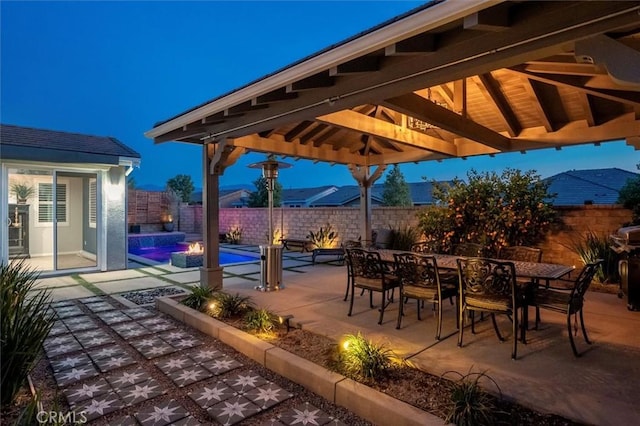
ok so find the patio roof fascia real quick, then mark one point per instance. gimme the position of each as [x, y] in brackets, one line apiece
[420, 21]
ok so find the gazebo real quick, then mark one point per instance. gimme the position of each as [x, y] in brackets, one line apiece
[450, 79]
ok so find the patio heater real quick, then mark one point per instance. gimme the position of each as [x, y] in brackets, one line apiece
[270, 254]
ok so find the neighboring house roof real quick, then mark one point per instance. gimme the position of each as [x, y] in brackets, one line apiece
[421, 194]
[26, 143]
[305, 196]
[346, 195]
[592, 186]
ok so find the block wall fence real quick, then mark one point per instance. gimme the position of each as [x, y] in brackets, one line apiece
[297, 222]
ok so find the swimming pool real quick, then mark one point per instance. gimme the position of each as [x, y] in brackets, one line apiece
[162, 254]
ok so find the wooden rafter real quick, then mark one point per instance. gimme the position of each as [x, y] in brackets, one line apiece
[488, 86]
[425, 110]
[354, 121]
[277, 144]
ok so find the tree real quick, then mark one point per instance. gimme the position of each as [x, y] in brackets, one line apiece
[260, 197]
[181, 185]
[396, 190]
[629, 197]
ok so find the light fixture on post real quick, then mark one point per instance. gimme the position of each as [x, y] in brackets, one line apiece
[270, 254]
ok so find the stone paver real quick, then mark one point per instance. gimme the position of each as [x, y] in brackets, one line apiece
[99, 371]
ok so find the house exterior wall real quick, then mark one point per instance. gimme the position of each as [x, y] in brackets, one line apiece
[114, 205]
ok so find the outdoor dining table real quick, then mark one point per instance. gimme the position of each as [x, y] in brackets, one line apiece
[534, 272]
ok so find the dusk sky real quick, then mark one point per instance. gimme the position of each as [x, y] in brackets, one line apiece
[116, 68]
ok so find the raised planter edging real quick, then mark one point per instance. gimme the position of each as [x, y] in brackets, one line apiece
[376, 407]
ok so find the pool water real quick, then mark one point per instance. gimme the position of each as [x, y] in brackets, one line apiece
[162, 254]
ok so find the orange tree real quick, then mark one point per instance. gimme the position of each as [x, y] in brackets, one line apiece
[513, 208]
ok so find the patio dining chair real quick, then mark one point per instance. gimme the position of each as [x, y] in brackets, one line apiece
[420, 280]
[569, 301]
[369, 273]
[487, 285]
[425, 247]
[349, 244]
[524, 254]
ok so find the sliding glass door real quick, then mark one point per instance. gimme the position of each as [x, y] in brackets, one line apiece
[53, 218]
[75, 196]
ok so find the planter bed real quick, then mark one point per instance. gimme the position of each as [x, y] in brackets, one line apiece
[367, 403]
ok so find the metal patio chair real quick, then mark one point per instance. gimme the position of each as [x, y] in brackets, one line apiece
[369, 273]
[420, 280]
[569, 301]
[487, 285]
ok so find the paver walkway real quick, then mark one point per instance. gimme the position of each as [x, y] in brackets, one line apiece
[134, 366]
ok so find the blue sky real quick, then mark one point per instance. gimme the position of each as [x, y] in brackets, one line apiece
[116, 68]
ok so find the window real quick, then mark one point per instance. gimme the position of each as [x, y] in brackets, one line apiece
[93, 202]
[45, 202]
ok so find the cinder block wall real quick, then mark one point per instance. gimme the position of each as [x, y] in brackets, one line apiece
[576, 222]
[297, 222]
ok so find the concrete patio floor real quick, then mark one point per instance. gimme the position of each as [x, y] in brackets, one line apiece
[599, 388]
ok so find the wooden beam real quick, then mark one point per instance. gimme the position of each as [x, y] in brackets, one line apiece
[325, 135]
[360, 123]
[564, 68]
[317, 130]
[295, 132]
[421, 44]
[577, 133]
[425, 110]
[577, 83]
[586, 107]
[490, 89]
[274, 96]
[316, 81]
[277, 144]
[181, 134]
[364, 64]
[495, 18]
[536, 103]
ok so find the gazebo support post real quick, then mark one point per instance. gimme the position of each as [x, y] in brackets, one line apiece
[216, 157]
[365, 180]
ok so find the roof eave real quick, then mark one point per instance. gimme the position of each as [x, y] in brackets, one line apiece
[421, 21]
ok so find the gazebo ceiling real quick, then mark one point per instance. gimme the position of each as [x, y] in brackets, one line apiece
[449, 79]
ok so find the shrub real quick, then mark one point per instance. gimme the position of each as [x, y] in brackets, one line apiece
[629, 197]
[234, 235]
[510, 209]
[591, 247]
[260, 320]
[324, 238]
[361, 357]
[26, 322]
[226, 305]
[198, 297]
[470, 404]
[404, 237]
